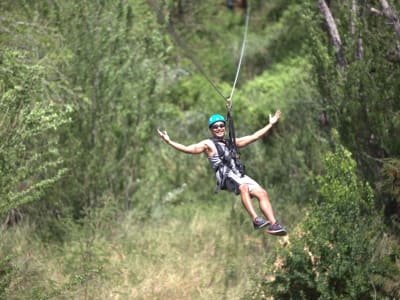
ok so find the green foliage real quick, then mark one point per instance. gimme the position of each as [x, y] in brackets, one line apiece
[84, 85]
[281, 38]
[88, 255]
[115, 66]
[29, 154]
[37, 270]
[333, 254]
[6, 274]
[361, 100]
[186, 251]
[288, 156]
[389, 186]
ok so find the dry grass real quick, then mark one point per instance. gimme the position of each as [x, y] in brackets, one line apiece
[190, 255]
[202, 259]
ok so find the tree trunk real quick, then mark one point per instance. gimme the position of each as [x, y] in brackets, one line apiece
[389, 14]
[337, 42]
[357, 39]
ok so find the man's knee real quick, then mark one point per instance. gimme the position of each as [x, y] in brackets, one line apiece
[243, 188]
[264, 193]
[261, 194]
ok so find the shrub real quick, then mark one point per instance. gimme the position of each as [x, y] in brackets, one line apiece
[334, 253]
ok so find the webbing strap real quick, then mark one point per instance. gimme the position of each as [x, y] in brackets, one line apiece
[233, 146]
[232, 136]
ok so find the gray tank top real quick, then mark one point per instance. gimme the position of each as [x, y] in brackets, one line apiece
[216, 160]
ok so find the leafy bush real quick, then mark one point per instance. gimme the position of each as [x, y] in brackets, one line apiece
[6, 271]
[334, 251]
[30, 160]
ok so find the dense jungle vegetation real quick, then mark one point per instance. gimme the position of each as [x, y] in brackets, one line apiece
[93, 204]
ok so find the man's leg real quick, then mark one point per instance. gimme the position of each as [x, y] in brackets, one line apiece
[246, 200]
[265, 204]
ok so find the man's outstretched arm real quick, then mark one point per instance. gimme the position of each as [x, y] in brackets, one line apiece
[244, 141]
[192, 149]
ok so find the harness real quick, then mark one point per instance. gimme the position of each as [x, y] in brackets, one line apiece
[230, 160]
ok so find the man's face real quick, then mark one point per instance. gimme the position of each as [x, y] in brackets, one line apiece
[218, 130]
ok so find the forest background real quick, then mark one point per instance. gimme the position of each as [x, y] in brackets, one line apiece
[93, 205]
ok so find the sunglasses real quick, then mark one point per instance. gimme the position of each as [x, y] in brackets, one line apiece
[218, 126]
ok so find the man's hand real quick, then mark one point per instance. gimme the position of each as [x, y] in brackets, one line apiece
[275, 118]
[164, 135]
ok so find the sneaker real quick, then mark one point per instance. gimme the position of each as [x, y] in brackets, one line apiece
[259, 223]
[276, 229]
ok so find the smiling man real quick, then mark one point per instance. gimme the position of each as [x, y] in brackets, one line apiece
[229, 171]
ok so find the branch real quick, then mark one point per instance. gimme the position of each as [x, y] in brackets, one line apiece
[376, 11]
[358, 41]
[389, 14]
[337, 42]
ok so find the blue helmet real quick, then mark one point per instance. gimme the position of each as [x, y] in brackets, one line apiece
[215, 118]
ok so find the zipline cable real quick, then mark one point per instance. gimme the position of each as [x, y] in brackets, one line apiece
[191, 57]
[229, 102]
[181, 44]
[232, 137]
[187, 53]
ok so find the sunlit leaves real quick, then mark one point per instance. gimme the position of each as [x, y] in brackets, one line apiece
[31, 162]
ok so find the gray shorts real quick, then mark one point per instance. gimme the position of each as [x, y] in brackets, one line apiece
[250, 182]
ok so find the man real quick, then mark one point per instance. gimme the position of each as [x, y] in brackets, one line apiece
[228, 170]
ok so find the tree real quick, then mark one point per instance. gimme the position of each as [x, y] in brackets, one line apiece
[31, 115]
[335, 252]
[333, 31]
[361, 99]
[388, 12]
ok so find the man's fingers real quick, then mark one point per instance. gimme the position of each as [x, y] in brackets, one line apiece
[161, 131]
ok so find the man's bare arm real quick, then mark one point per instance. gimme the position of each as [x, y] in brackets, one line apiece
[244, 141]
[192, 149]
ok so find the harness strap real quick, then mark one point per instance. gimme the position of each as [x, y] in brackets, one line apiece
[232, 143]
[229, 162]
[224, 175]
[232, 137]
